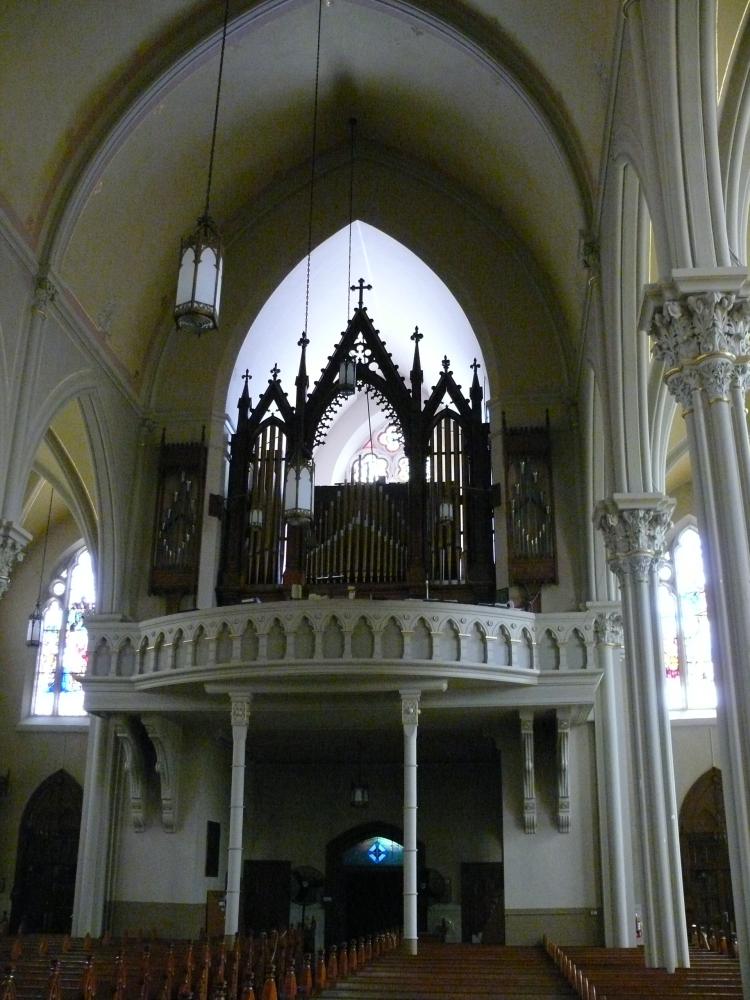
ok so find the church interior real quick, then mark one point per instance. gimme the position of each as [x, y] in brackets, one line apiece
[375, 550]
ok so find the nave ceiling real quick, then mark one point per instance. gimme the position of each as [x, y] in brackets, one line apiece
[498, 108]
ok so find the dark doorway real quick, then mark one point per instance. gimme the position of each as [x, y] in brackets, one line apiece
[362, 900]
[374, 900]
[44, 885]
[266, 891]
[483, 902]
[705, 858]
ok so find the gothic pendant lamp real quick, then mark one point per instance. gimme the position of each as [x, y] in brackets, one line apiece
[34, 628]
[299, 484]
[201, 252]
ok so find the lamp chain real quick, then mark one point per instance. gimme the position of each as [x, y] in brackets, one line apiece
[312, 166]
[352, 129]
[44, 547]
[216, 109]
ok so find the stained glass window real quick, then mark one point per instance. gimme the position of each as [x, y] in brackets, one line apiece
[686, 634]
[63, 653]
[378, 852]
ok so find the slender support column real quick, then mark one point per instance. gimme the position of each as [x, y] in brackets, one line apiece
[617, 877]
[410, 721]
[634, 528]
[529, 789]
[701, 329]
[94, 841]
[240, 718]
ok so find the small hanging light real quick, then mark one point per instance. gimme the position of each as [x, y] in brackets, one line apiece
[359, 795]
[347, 377]
[255, 519]
[445, 512]
[201, 252]
[299, 484]
[299, 491]
[34, 628]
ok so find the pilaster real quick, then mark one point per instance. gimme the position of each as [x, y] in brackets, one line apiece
[529, 787]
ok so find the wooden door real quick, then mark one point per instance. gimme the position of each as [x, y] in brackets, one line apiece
[44, 885]
[266, 888]
[705, 858]
[483, 902]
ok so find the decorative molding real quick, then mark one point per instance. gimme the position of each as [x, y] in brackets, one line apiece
[529, 789]
[13, 542]
[135, 767]
[166, 737]
[608, 628]
[563, 770]
[45, 293]
[634, 528]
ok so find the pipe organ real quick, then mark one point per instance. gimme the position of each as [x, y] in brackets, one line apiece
[385, 539]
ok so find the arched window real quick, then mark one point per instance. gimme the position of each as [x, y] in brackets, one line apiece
[63, 656]
[686, 635]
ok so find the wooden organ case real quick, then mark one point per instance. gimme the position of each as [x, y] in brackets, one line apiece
[432, 534]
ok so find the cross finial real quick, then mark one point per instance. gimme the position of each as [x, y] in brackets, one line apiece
[475, 365]
[303, 340]
[446, 363]
[416, 336]
[361, 286]
[247, 376]
[275, 371]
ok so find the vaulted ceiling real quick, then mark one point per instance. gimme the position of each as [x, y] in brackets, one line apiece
[502, 104]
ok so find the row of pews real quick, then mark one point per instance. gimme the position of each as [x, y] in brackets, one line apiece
[620, 974]
[267, 967]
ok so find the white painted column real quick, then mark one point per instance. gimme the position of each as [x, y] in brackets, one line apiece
[95, 838]
[634, 527]
[614, 812]
[701, 329]
[410, 721]
[240, 718]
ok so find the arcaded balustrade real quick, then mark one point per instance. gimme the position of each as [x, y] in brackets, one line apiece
[318, 631]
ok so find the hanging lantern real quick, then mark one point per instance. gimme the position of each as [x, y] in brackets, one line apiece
[359, 796]
[445, 512]
[255, 519]
[347, 377]
[34, 628]
[201, 256]
[299, 491]
[199, 281]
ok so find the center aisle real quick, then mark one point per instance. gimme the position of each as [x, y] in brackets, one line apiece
[456, 972]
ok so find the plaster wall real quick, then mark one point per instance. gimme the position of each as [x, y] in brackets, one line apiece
[159, 878]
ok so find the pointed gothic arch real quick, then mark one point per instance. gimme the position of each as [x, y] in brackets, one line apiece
[44, 883]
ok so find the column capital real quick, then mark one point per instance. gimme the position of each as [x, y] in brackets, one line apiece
[700, 324]
[608, 628]
[634, 526]
[13, 542]
[240, 708]
[410, 706]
